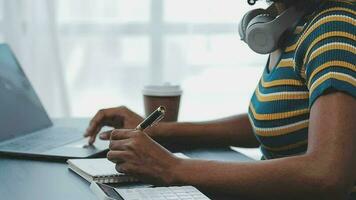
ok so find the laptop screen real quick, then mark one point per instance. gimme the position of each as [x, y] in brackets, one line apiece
[21, 111]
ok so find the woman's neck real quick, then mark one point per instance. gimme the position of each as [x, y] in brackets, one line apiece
[280, 7]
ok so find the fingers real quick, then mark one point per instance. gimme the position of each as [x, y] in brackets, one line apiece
[102, 118]
[96, 122]
[105, 135]
[126, 168]
[118, 156]
[121, 134]
[120, 145]
[91, 140]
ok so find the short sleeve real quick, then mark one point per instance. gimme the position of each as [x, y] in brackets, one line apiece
[329, 60]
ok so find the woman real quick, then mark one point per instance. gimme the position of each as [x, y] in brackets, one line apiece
[302, 116]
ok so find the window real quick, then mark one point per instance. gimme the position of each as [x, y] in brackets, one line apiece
[105, 12]
[1, 8]
[204, 11]
[111, 48]
[1, 20]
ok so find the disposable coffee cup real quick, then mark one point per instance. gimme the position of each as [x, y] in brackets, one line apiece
[162, 95]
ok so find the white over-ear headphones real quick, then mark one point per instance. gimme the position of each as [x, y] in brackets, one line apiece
[262, 29]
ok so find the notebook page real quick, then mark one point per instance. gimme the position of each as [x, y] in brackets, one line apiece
[96, 166]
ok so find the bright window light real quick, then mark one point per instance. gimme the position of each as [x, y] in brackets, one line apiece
[110, 49]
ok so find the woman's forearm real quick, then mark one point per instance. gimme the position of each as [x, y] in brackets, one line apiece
[299, 177]
[325, 171]
[235, 130]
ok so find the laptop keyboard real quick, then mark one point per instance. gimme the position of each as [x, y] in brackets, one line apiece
[43, 140]
[162, 193]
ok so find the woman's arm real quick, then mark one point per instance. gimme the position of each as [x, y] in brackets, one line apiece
[326, 171]
[235, 130]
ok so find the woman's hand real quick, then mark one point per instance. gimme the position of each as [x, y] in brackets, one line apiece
[120, 117]
[136, 154]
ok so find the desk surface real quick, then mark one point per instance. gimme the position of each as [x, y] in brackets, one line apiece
[38, 179]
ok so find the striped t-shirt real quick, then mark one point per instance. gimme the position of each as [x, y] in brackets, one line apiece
[319, 56]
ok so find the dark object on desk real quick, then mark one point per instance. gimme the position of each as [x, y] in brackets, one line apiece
[26, 129]
[52, 180]
[107, 192]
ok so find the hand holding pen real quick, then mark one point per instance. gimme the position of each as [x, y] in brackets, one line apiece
[135, 153]
[117, 118]
[151, 120]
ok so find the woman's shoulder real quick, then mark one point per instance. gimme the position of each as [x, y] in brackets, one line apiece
[330, 18]
[333, 21]
[333, 9]
[327, 4]
[325, 53]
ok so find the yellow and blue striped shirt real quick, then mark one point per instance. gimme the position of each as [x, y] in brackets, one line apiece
[318, 57]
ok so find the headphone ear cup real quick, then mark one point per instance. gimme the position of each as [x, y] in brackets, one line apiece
[260, 37]
[246, 20]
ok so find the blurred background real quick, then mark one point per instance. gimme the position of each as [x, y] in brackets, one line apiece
[83, 55]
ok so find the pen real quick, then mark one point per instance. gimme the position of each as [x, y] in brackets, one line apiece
[152, 119]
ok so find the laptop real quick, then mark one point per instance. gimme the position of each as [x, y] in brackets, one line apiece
[25, 127]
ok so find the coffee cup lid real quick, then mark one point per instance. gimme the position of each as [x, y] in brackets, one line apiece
[162, 90]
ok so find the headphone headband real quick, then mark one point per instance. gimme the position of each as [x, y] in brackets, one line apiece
[282, 22]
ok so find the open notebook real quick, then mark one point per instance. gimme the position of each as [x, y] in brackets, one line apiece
[101, 170]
